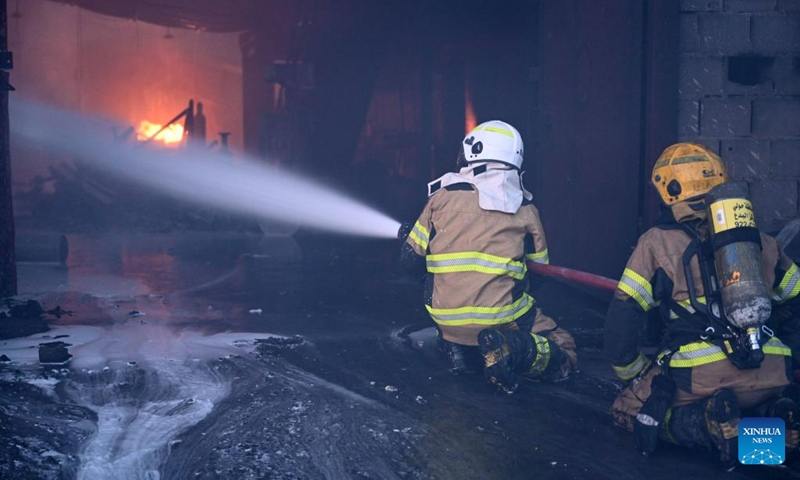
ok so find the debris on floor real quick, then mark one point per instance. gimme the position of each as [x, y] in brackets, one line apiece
[54, 353]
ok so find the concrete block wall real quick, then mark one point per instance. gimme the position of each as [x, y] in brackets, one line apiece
[739, 93]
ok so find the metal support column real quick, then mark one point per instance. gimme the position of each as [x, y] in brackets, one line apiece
[8, 268]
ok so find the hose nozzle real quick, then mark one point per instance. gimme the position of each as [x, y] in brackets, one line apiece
[404, 231]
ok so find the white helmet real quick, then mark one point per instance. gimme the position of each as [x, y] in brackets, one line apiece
[493, 141]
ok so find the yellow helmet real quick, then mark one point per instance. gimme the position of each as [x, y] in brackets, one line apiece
[687, 170]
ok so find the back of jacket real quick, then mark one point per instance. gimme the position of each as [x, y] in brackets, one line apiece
[477, 259]
[655, 275]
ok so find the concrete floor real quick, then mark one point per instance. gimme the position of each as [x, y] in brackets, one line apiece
[324, 382]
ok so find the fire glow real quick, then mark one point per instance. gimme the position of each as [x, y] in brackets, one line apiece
[172, 135]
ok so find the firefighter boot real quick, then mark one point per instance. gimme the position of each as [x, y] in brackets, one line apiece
[545, 360]
[649, 421]
[498, 353]
[509, 353]
[791, 417]
[685, 426]
[461, 358]
[789, 411]
[786, 408]
[722, 416]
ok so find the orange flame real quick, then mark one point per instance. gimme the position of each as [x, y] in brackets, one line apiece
[172, 135]
[470, 119]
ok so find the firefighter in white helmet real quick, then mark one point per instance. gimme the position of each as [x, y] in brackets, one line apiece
[710, 370]
[472, 240]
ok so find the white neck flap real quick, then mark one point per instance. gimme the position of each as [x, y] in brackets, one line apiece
[499, 187]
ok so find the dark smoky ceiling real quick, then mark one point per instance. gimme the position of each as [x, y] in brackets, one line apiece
[239, 15]
[205, 15]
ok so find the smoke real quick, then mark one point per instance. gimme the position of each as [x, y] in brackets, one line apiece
[249, 187]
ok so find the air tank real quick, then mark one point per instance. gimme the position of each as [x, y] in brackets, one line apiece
[737, 259]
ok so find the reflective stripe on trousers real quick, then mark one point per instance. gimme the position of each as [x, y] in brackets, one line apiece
[542, 355]
[627, 372]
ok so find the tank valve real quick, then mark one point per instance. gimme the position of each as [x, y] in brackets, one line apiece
[754, 338]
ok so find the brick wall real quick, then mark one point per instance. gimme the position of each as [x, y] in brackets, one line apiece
[739, 93]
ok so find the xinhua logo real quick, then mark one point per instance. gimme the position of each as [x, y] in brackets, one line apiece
[762, 441]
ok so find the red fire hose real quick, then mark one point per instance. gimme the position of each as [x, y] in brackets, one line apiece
[563, 273]
[571, 275]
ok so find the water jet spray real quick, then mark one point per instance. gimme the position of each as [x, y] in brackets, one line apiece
[249, 187]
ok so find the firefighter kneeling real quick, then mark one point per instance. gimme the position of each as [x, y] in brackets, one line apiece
[472, 241]
[728, 296]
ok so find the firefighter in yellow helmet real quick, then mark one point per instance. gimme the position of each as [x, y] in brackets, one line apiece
[728, 297]
[472, 240]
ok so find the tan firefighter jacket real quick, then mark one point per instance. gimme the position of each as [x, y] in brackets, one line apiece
[655, 274]
[477, 261]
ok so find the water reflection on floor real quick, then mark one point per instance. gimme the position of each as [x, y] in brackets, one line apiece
[279, 357]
